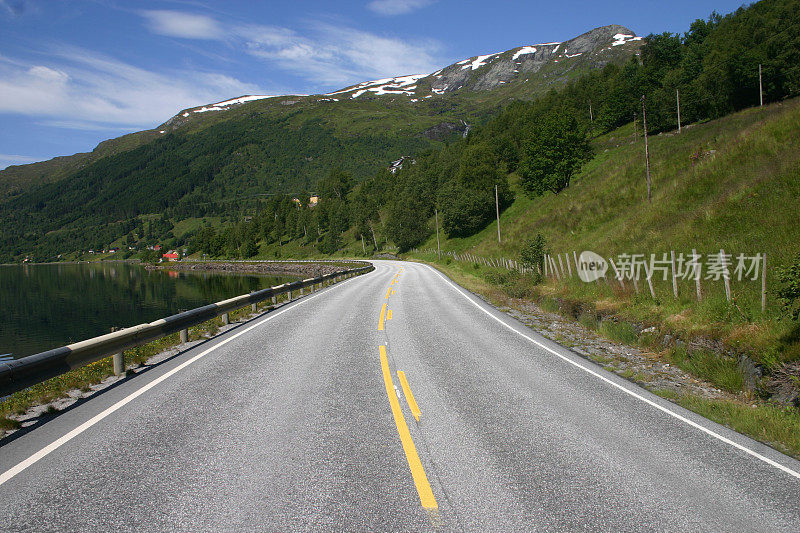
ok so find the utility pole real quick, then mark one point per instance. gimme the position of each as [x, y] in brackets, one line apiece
[646, 150]
[438, 248]
[635, 130]
[591, 115]
[678, 99]
[760, 88]
[497, 206]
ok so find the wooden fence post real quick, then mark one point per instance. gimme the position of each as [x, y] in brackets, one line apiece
[674, 274]
[726, 276]
[697, 276]
[617, 274]
[763, 282]
[648, 273]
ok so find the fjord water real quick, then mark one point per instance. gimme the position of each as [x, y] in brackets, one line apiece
[50, 305]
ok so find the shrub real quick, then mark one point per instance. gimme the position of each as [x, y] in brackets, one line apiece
[790, 292]
[533, 252]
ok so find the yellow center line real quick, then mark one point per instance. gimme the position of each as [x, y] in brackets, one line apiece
[389, 314]
[380, 320]
[392, 291]
[412, 403]
[388, 292]
[417, 471]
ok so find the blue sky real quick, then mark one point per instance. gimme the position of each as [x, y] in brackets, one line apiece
[76, 72]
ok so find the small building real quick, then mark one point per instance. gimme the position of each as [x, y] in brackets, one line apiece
[314, 200]
[171, 256]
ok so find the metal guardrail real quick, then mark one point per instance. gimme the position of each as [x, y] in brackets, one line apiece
[18, 374]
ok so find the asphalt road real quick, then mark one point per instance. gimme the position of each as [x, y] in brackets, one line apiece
[298, 420]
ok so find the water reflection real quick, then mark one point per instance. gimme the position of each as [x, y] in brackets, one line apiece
[45, 306]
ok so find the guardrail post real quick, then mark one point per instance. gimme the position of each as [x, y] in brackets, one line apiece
[254, 308]
[119, 364]
[34, 369]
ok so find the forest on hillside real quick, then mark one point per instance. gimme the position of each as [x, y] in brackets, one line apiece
[712, 69]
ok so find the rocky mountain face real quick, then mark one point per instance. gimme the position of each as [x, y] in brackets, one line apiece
[597, 47]
[540, 65]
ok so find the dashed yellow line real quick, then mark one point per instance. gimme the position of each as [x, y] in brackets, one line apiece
[412, 403]
[392, 291]
[382, 318]
[389, 314]
[389, 291]
[417, 471]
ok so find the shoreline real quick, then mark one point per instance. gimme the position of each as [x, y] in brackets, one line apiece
[305, 269]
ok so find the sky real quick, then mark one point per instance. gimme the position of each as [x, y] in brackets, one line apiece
[76, 72]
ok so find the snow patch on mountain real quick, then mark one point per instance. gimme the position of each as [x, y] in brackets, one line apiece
[400, 85]
[622, 38]
[524, 50]
[478, 62]
[226, 104]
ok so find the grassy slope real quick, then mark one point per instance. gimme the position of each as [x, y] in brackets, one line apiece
[744, 199]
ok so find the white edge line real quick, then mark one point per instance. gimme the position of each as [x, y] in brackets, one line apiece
[624, 389]
[22, 465]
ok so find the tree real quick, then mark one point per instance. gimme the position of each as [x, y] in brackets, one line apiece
[249, 248]
[408, 224]
[330, 243]
[464, 211]
[789, 293]
[555, 151]
[533, 252]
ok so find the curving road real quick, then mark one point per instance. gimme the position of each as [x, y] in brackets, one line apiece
[305, 418]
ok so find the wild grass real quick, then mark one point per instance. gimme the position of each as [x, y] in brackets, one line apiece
[768, 423]
[743, 198]
[619, 331]
[720, 370]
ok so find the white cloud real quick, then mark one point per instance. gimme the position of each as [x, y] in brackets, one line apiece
[11, 159]
[331, 54]
[325, 54]
[184, 25]
[81, 88]
[397, 7]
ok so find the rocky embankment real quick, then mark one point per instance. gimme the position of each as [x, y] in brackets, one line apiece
[287, 268]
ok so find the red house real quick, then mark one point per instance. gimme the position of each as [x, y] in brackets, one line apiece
[171, 256]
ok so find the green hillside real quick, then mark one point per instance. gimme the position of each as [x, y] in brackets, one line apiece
[742, 195]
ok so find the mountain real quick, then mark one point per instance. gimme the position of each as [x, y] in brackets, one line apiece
[211, 159]
[519, 73]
